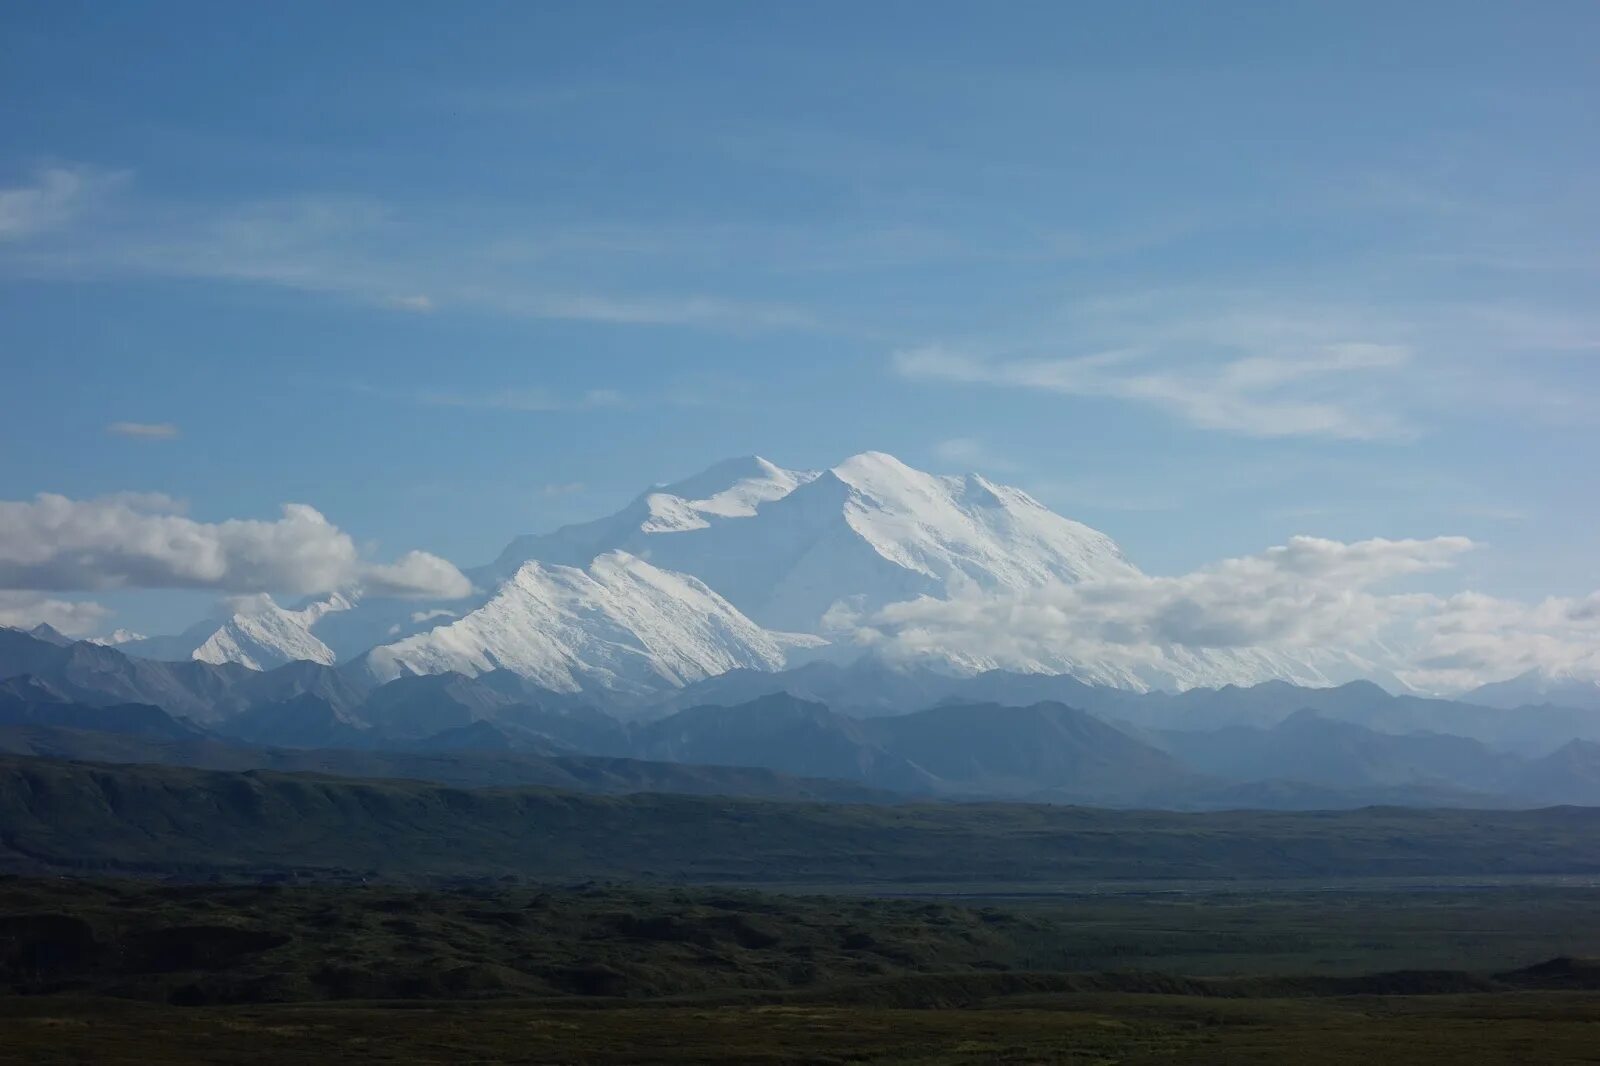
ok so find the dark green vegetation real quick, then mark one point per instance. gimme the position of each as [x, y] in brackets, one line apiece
[60, 816]
[293, 943]
[1126, 1029]
[128, 972]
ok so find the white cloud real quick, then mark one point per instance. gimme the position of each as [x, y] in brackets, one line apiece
[418, 617]
[55, 196]
[348, 247]
[144, 430]
[1310, 591]
[24, 610]
[140, 541]
[1256, 395]
[1470, 638]
[1310, 600]
[533, 401]
[416, 573]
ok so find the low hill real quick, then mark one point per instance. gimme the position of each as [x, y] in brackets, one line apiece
[57, 816]
[463, 767]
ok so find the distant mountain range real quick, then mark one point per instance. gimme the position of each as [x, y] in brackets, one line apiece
[823, 731]
[748, 566]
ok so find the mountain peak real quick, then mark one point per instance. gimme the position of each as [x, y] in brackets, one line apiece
[733, 488]
[869, 463]
[46, 632]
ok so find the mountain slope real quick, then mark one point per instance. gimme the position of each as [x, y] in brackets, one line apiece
[459, 768]
[1321, 751]
[271, 636]
[154, 820]
[206, 692]
[1538, 688]
[986, 748]
[785, 734]
[622, 625]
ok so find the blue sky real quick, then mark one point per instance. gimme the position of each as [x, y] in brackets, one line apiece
[1202, 276]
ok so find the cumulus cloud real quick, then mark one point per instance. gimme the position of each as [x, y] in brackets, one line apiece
[1470, 638]
[1308, 601]
[142, 541]
[24, 610]
[144, 430]
[416, 573]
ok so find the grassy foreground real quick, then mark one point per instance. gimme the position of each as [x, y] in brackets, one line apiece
[124, 972]
[1128, 1029]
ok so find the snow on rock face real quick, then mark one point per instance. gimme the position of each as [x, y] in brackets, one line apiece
[621, 624]
[733, 489]
[785, 547]
[967, 529]
[269, 635]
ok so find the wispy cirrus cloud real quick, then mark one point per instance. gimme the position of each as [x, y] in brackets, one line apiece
[563, 488]
[144, 430]
[354, 248]
[53, 197]
[1280, 395]
[529, 400]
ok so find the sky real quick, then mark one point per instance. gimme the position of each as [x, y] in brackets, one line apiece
[1205, 277]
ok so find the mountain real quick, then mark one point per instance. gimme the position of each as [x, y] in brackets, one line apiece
[622, 625]
[787, 547]
[1570, 774]
[50, 635]
[263, 634]
[45, 710]
[269, 636]
[303, 721]
[206, 692]
[1320, 756]
[1325, 752]
[1019, 751]
[1540, 688]
[786, 734]
[746, 565]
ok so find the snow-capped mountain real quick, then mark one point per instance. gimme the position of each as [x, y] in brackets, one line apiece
[267, 635]
[747, 565]
[620, 624]
[787, 547]
[262, 634]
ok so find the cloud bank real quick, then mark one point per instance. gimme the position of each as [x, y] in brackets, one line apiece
[1308, 608]
[53, 543]
[24, 610]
